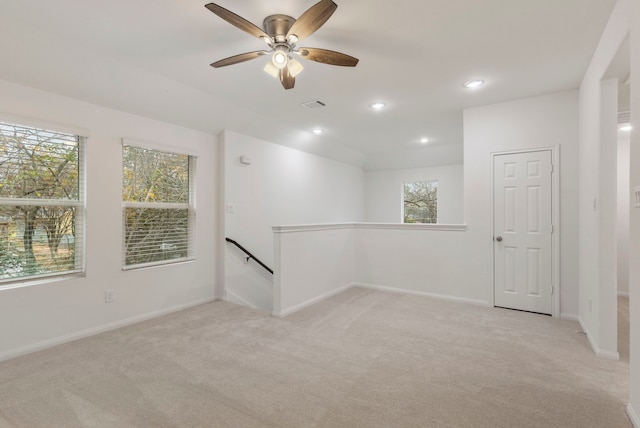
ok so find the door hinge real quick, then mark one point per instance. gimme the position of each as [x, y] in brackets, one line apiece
[552, 290]
[551, 228]
[551, 167]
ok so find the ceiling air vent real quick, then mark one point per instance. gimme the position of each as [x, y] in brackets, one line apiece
[312, 105]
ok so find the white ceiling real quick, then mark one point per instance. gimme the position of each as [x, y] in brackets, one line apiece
[151, 57]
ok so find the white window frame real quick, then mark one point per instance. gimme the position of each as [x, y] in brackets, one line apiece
[189, 206]
[402, 195]
[80, 241]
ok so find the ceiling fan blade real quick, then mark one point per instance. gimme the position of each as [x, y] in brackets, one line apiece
[237, 21]
[287, 80]
[312, 19]
[326, 56]
[238, 58]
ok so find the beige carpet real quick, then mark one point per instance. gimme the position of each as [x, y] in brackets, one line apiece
[361, 359]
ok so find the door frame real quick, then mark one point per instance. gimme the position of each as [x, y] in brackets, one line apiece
[555, 219]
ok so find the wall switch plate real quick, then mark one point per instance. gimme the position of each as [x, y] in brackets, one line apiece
[108, 296]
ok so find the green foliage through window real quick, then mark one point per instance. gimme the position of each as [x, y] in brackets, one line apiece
[420, 202]
[157, 206]
[41, 207]
[154, 176]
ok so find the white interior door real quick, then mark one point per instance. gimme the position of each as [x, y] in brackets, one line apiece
[522, 231]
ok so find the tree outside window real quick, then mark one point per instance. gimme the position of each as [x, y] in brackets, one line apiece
[158, 210]
[41, 202]
[420, 202]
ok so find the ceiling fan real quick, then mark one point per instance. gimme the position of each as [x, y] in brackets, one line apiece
[281, 33]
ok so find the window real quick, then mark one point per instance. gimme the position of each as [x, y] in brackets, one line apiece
[41, 203]
[420, 202]
[158, 209]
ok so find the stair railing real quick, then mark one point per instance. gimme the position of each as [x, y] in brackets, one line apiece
[249, 255]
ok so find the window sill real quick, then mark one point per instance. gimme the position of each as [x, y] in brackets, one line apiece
[10, 284]
[159, 264]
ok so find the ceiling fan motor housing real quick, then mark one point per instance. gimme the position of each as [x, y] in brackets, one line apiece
[277, 26]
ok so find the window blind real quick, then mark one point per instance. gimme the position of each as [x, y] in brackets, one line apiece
[158, 207]
[42, 208]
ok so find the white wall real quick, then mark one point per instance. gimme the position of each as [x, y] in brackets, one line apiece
[51, 312]
[384, 193]
[598, 108]
[282, 186]
[428, 260]
[606, 208]
[314, 262]
[634, 251]
[623, 193]
[422, 157]
[544, 121]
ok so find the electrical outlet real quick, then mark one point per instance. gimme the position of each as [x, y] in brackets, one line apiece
[108, 296]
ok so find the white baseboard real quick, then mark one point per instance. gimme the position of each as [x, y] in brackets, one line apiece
[623, 294]
[234, 298]
[310, 302]
[423, 294]
[635, 419]
[570, 317]
[600, 353]
[13, 353]
[339, 290]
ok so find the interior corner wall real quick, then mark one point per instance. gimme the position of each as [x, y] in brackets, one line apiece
[606, 206]
[276, 186]
[597, 309]
[634, 250]
[50, 312]
[538, 122]
[623, 199]
[384, 192]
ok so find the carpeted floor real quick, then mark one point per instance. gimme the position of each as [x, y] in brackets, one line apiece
[360, 359]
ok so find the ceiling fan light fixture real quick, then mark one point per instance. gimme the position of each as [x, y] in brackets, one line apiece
[473, 84]
[272, 70]
[292, 39]
[267, 40]
[280, 57]
[294, 67]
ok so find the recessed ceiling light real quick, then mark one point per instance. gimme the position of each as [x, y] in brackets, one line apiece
[424, 140]
[317, 131]
[378, 105]
[626, 127]
[472, 84]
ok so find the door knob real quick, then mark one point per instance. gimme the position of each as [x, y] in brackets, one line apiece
[499, 239]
